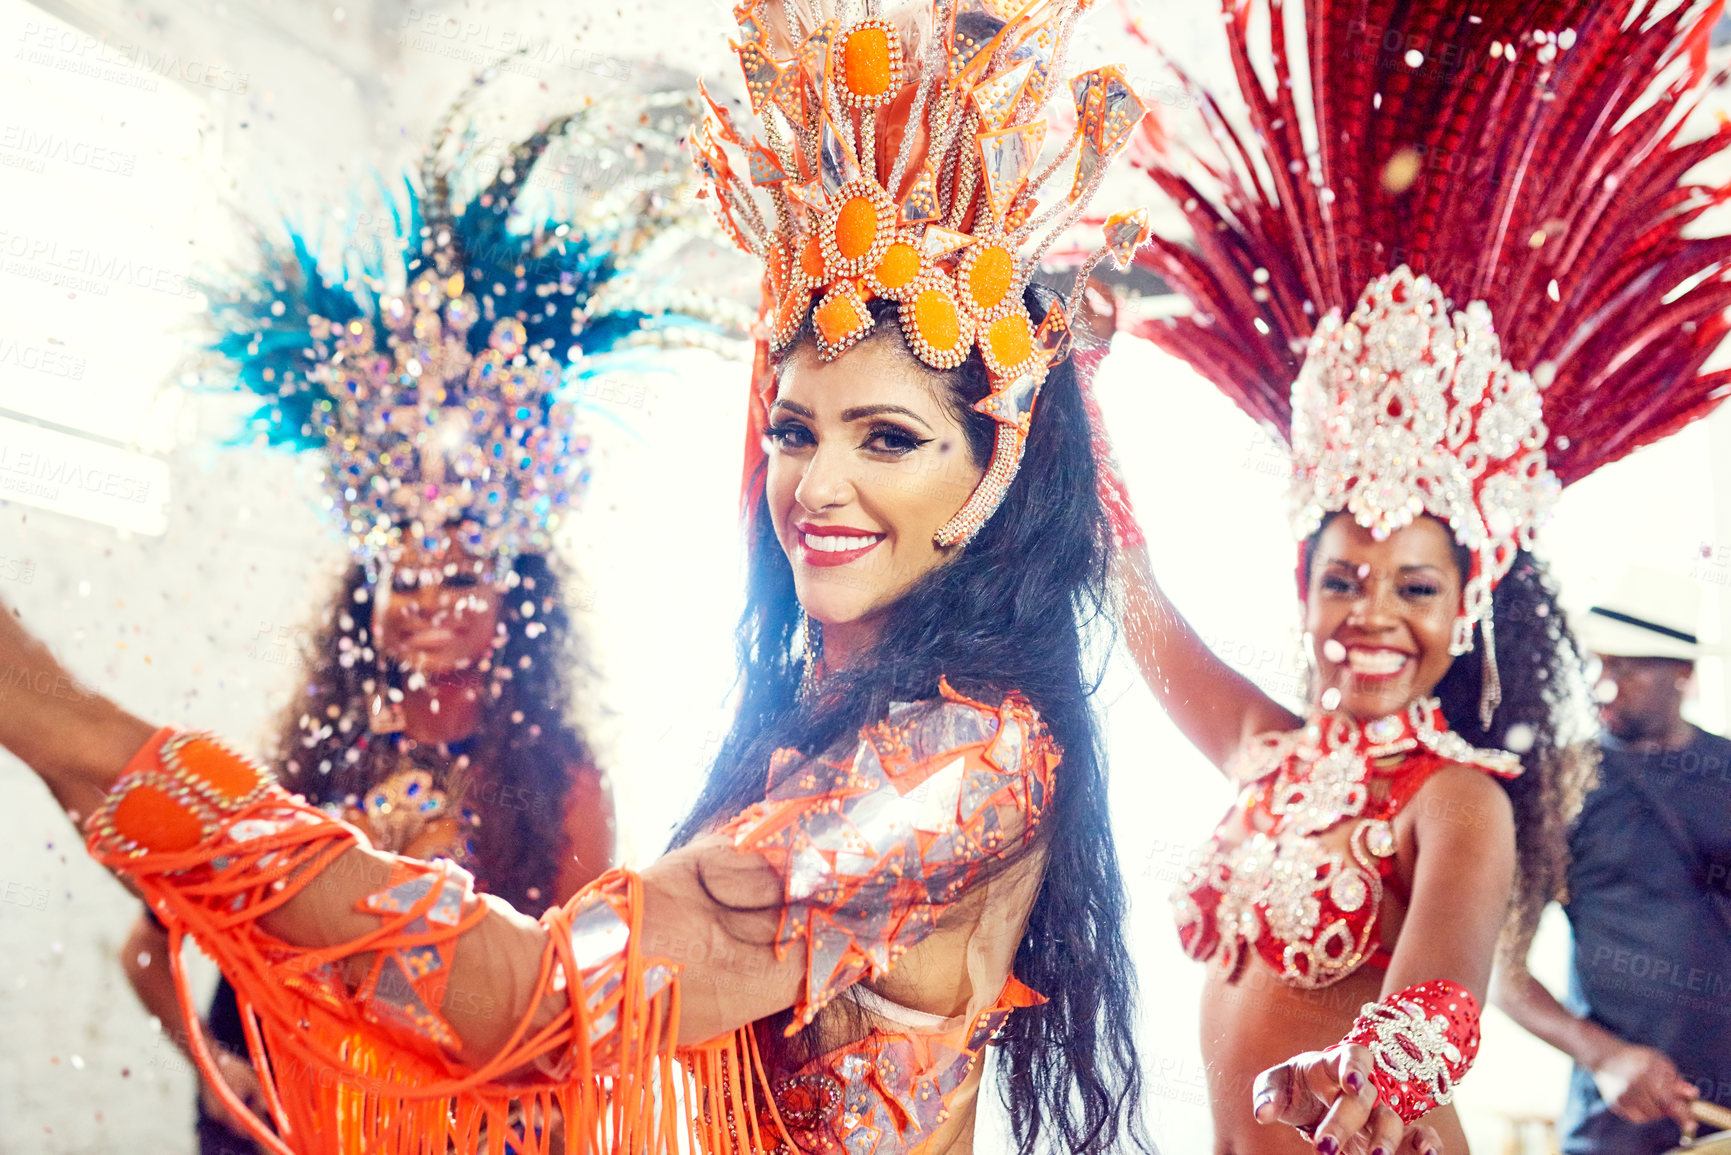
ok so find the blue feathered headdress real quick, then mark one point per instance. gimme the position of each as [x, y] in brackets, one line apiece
[445, 412]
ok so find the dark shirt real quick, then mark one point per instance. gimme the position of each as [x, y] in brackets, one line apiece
[1652, 942]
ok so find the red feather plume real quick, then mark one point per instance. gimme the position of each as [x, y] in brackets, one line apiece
[1521, 152]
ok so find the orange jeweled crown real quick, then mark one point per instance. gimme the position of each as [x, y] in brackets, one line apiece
[901, 161]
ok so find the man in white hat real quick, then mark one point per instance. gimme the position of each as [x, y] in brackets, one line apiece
[1648, 1014]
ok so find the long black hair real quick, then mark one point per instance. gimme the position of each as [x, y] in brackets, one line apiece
[1545, 717]
[524, 751]
[1007, 612]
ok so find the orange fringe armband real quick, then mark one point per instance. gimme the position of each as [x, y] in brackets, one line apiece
[213, 844]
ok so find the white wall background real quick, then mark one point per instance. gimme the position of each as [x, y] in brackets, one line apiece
[133, 141]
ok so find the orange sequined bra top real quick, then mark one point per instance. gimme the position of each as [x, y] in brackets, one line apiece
[873, 840]
[1267, 881]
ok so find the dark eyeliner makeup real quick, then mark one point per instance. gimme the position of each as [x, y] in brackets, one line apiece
[899, 441]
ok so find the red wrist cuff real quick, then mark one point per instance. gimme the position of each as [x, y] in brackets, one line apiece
[1422, 1040]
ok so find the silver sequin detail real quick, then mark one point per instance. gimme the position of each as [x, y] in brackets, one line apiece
[1428, 1035]
[862, 834]
[1408, 407]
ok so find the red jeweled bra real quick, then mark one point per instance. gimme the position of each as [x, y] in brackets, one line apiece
[1266, 880]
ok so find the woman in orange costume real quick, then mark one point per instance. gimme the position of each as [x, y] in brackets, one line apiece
[435, 711]
[1473, 291]
[903, 853]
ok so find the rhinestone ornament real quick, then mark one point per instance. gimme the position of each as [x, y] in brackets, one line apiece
[1407, 407]
[940, 223]
[1421, 1040]
[446, 408]
[1269, 882]
[175, 794]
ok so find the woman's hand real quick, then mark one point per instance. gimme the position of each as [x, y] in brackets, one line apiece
[1329, 1096]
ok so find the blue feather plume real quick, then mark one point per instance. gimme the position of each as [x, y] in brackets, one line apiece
[544, 275]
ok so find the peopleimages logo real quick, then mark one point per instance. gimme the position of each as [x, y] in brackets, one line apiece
[46, 475]
[41, 359]
[65, 49]
[58, 147]
[85, 269]
[524, 51]
[1712, 565]
[80, 477]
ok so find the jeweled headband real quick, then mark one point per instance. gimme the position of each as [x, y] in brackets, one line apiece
[1406, 407]
[901, 159]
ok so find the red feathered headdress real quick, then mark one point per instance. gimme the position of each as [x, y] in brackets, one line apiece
[1471, 286]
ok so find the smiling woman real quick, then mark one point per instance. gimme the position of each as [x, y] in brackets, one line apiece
[872, 456]
[1384, 611]
[882, 448]
[436, 609]
[1438, 379]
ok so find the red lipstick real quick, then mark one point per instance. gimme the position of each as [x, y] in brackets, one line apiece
[825, 558]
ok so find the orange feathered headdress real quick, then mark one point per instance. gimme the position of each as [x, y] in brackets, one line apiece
[902, 160]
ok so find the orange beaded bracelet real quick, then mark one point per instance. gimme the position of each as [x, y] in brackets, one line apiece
[174, 793]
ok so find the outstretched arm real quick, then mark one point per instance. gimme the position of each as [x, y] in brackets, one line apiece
[730, 969]
[74, 738]
[80, 743]
[1463, 874]
[1215, 706]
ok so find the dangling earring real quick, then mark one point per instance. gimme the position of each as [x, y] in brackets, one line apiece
[811, 652]
[1307, 664]
[1491, 684]
[384, 714]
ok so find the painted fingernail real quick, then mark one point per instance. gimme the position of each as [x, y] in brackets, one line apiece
[1354, 1081]
[1327, 1145]
[1379, 1151]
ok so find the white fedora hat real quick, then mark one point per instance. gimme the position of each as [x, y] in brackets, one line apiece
[1652, 613]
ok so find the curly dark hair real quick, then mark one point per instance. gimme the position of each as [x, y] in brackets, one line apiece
[1545, 716]
[524, 752]
[991, 620]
